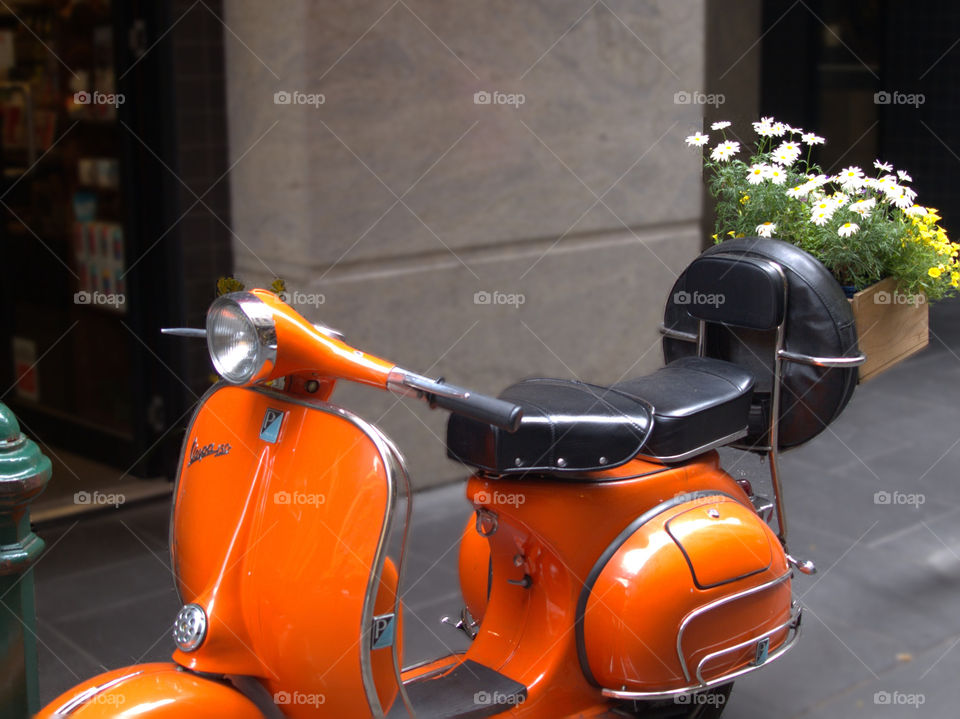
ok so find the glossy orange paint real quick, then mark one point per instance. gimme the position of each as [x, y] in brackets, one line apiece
[282, 543]
[554, 531]
[278, 542]
[656, 579]
[307, 350]
[157, 691]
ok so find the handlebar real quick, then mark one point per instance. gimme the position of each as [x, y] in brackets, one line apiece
[438, 393]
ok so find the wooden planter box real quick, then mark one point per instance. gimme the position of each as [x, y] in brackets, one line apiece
[889, 327]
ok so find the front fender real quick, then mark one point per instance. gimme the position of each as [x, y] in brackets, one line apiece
[163, 689]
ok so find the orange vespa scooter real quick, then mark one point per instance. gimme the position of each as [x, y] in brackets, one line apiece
[611, 568]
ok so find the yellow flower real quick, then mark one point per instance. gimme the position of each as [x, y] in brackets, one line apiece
[714, 236]
[934, 272]
[731, 233]
[743, 200]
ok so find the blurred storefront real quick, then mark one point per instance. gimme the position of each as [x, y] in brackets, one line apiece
[106, 145]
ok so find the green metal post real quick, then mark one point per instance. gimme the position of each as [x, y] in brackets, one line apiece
[24, 473]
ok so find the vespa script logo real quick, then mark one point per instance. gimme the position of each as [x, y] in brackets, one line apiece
[198, 452]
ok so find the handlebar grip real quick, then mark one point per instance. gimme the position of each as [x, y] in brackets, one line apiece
[482, 408]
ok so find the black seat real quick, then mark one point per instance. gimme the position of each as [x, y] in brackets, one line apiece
[683, 409]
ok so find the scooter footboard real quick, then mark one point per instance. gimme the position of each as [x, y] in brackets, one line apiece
[159, 691]
[691, 595]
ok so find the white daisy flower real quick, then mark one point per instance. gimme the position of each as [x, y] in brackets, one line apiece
[795, 130]
[779, 129]
[863, 207]
[824, 204]
[848, 228]
[766, 229]
[840, 199]
[915, 211]
[800, 191]
[819, 218]
[725, 150]
[787, 153]
[810, 139]
[885, 166]
[698, 139]
[904, 177]
[777, 175]
[902, 201]
[758, 173]
[764, 129]
[719, 125]
[851, 178]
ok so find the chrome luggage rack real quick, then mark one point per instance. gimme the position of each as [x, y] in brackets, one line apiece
[792, 626]
[780, 355]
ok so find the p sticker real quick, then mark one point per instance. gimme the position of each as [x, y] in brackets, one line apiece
[270, 429]
[384, 631]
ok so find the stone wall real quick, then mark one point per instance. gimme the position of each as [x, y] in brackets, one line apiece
[405, 200]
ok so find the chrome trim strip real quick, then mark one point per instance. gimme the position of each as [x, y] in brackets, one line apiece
[693, 689]
[699, 450]
[700, 611]
[823, 361]
[673, 334]
[792, 623]
[392, 463]
[78, 701]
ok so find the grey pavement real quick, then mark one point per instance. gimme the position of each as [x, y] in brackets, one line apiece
[874, 501]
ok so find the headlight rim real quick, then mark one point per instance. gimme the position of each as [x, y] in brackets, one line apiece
[259, 317]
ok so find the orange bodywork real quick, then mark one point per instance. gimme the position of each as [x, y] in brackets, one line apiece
[282, 511]
[278, 542]
[159, 691]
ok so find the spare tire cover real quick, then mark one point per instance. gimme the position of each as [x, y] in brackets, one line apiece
[819, 322]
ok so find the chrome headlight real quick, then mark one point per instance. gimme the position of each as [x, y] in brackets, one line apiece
[241, 337]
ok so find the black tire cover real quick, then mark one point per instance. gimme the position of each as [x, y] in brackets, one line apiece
[819, 322]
